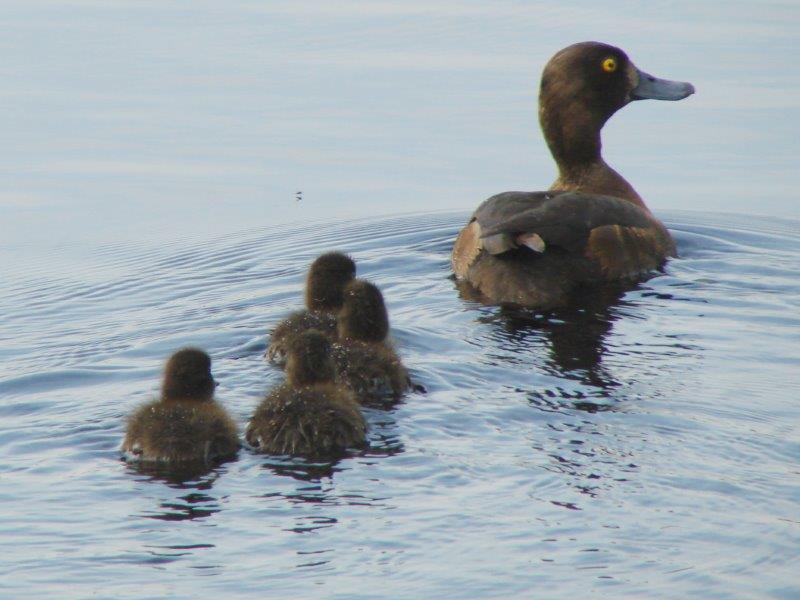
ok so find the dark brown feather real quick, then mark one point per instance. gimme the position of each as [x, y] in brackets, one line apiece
[363, 315]
[178, 431]
[315, 420]
[372, 370]
[327, 277]
[624, 252]
[591, 225]
[186, 424]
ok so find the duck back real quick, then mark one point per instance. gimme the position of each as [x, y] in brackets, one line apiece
[580, 238]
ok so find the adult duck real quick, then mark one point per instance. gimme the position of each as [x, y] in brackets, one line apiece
[536, 248]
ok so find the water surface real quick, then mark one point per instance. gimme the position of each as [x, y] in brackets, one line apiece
[641, 444]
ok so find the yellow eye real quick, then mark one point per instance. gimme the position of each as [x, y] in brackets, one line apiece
[609, 65]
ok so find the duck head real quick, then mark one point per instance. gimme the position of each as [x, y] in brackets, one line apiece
[363, 316]
[327, 276]
[582, 86]
[187, 376]
[309, 359]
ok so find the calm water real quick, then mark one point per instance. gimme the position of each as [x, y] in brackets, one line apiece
[643, 444]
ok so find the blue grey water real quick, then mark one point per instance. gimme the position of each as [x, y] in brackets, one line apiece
[644, 444]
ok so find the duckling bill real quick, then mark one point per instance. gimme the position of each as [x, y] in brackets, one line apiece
[537, 248]
[325, 282]
[186, 425]
[310, 414]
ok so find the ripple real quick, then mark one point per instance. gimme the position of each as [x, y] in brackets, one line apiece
[634, 439]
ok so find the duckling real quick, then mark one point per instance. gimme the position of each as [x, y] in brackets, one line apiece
[186, 424]
[309, 414]
[536, 248]
[365, 360]
[326, 279]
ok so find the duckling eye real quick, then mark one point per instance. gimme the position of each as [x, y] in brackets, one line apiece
[609, 65]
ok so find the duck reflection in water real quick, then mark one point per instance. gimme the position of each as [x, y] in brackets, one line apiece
[196, 480]
[576, 334]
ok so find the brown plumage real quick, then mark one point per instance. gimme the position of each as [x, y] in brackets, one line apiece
[536, 248]
[310, 414]
[325, 282]
[186, 424]
[365, 360]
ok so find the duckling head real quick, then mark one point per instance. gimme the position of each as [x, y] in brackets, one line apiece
[309, 359]
[363, 316]
[187, 375]
[326, 279]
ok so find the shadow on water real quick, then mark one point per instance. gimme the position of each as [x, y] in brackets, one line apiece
[575, 335]
[196, 479]
[302, 469]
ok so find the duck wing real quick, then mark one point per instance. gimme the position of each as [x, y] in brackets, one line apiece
[564, 219]
[617, 236]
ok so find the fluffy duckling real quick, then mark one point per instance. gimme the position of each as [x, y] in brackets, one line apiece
[325, 282]
[186, 424]
[309, 414]
[365, 361]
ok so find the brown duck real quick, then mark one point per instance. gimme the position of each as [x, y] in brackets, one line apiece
[365, 360]
[310, 414]
[186, 424]
[327, 276]
[535, 248]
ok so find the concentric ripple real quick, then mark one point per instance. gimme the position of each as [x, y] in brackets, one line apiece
[642, 443]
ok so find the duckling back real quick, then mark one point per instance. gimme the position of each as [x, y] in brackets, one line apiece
[318, 420]
[365, 361]
[310, 414]
[373, 372]
[292, 326]
[185, 424]
[177, 431]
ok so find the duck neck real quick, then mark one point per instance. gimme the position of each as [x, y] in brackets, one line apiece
[572, 133]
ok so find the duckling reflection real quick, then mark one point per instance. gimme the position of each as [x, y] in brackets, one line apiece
[327, 277]
[183, 475]
[193, 479]
[186, 425]
[310, 414]
[302, 469]
[365, 360]
[188, 508]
